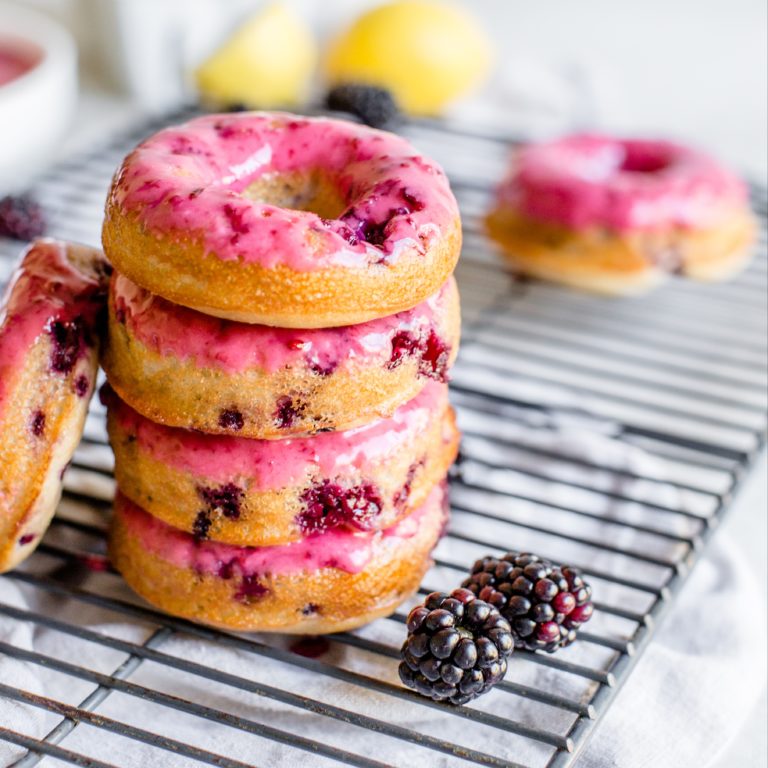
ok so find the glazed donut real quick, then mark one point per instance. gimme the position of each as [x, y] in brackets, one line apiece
[330, 582]
[273, 219]
[48, 360]
[265, 492]
[617, 216]
[186, 369]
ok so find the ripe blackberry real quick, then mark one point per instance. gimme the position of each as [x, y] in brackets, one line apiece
[457, 647]
[544, 603]
[21, 217]
[374, 106]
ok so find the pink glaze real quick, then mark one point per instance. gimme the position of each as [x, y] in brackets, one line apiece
[45, 289]
[170, 329]
[623, 185]
[16, 58]
[336, 548]
[275, 464]
[192, 178]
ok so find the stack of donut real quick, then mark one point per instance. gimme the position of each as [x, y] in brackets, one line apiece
[282, 319]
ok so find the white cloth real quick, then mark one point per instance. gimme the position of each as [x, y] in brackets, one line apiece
[686, 699]
[683, 703]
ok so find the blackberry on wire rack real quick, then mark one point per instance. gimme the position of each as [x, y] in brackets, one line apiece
[21, 217]
[457, 647]
[545, 604]
[373, 105]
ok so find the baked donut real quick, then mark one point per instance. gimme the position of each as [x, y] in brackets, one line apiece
[186, 369]
[48, 360]
[329, 582]
[617, 216]
[278, 220]
[264, 492]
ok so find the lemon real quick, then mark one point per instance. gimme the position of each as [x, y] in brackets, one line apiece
[268, 62]
[426, 53]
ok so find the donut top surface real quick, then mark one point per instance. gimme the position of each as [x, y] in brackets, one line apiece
[58, 289]
[335, 548]
[170, 329]
[588, 181]
[276, 189]
[275, 464]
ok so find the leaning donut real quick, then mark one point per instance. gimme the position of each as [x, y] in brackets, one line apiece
[617, 216]
[48, 360]
[292, 222]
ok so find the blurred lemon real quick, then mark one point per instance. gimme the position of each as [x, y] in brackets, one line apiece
[268, 62]
[426, 53]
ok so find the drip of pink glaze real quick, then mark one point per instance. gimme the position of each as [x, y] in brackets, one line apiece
[275, 464]
[336, 548]
[45, 289]
[170, 329]
[623, 185]
[195, 177]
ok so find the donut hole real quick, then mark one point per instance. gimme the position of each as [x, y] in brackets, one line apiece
[643, 157]
[313, 192]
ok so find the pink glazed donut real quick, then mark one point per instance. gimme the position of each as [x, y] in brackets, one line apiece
[274, 219]
[616, 216]
[187, 369]
[330, 582]
[263, 492]
[49, 343]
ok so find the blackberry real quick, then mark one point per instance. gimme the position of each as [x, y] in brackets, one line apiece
[373, 105]
[544, 603]
[21, 217]
[287, 412]
[457, 647]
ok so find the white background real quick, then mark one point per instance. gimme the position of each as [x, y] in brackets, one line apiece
[695, 69]
[691, 69]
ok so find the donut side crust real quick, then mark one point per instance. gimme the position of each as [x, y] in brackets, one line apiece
[315, 602]
[178, 268]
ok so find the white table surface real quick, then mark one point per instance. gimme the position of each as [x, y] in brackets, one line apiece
[747, 522]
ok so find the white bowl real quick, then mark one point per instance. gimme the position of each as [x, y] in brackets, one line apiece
[37, 106]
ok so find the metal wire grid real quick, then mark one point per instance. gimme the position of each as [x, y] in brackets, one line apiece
[608, 434]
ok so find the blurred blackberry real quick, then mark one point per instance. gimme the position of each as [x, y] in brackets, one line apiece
[456, 649]
[21, 217]
[373, 105]
[545, 604]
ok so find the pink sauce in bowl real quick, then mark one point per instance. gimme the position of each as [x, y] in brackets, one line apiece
[17, 57]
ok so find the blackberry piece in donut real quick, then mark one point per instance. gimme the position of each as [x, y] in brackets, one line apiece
[617, 216]
[262, 492]
[49, 342]
[331, 582]
[186, 369]
[281, 220]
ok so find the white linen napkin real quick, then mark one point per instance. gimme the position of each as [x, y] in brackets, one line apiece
[686, 699]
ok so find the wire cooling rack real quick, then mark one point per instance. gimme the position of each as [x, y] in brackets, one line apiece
[609, 434]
